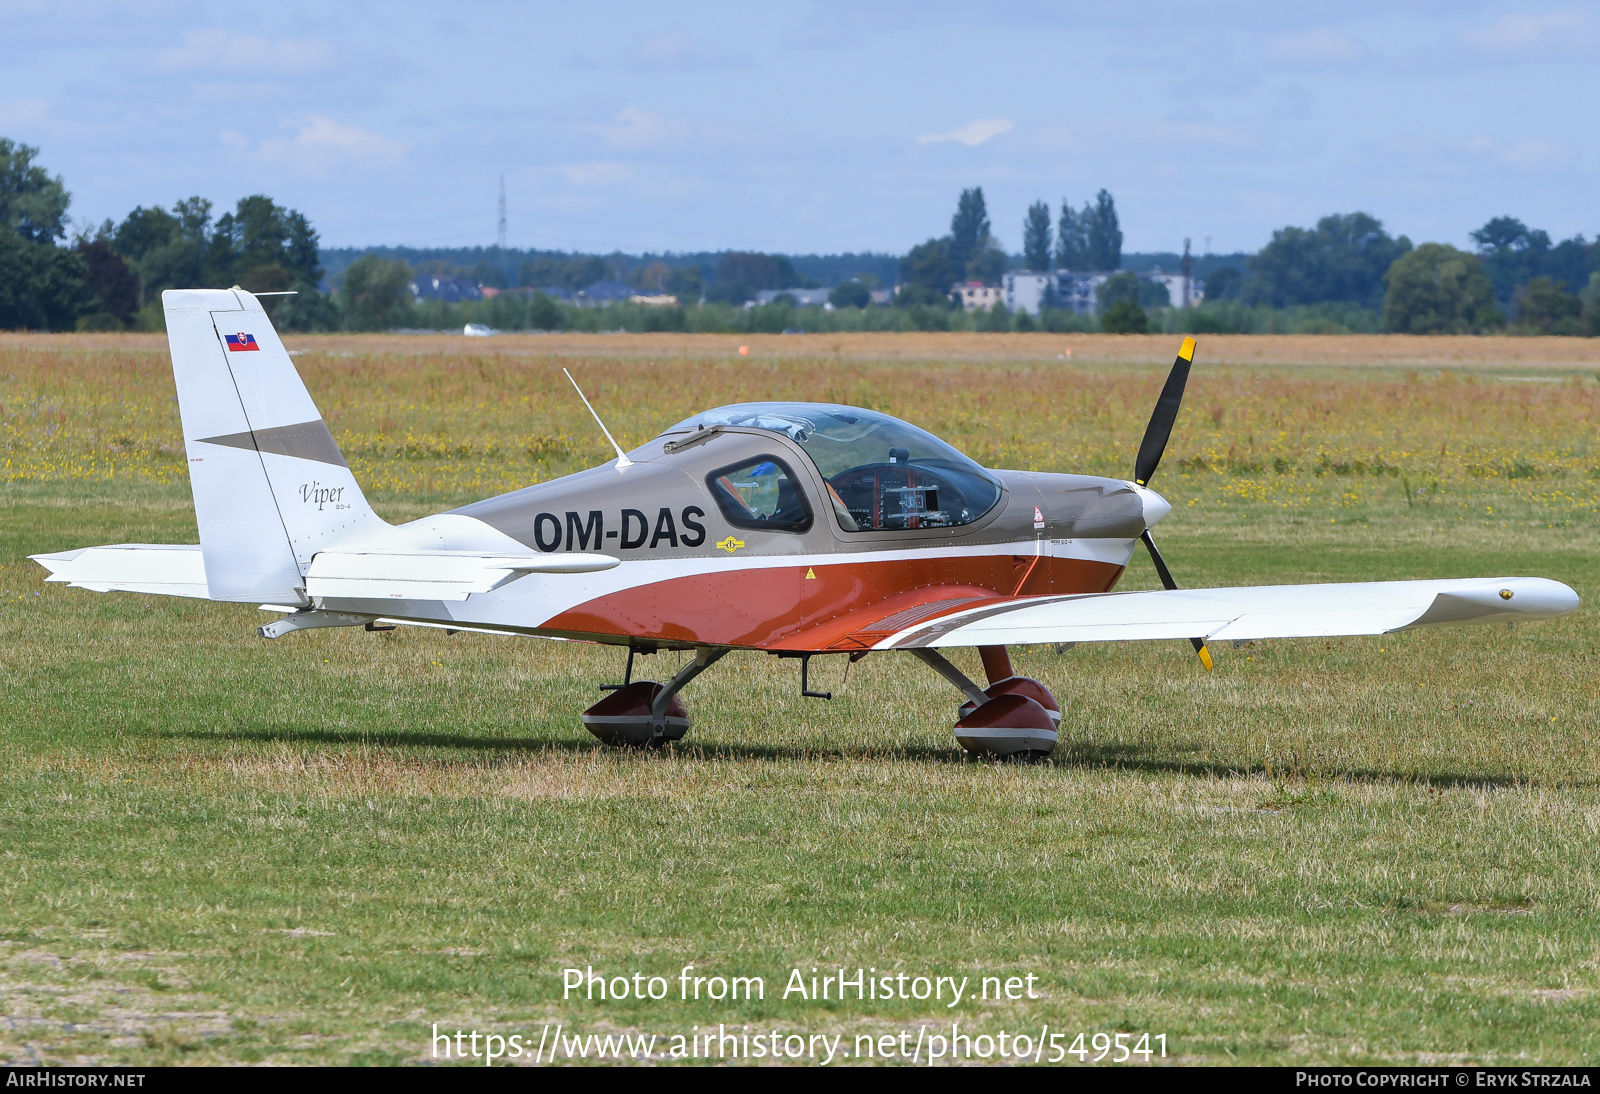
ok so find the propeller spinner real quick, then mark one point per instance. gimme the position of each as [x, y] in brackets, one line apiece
[1156, 435]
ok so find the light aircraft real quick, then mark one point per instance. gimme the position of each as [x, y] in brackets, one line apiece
[794, 529]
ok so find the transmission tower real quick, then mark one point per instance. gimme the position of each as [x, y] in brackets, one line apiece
[500, 236]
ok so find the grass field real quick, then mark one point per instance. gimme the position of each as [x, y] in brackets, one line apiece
[218, 849]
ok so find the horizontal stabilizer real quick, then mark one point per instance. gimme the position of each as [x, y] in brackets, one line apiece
[1262, 611]
[162, 568]
[434, 575]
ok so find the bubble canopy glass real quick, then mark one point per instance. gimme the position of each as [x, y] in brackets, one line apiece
[882, 473]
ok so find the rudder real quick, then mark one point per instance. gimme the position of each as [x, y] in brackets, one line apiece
[270, 486]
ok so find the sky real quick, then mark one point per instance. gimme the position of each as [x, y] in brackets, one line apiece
[815, 127]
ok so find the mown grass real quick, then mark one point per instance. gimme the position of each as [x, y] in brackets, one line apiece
[218, 849]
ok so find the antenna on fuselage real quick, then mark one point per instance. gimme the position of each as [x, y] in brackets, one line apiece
[622, 458]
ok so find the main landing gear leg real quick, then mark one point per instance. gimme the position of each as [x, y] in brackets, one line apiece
[647, 714]
[704, 658]
[1014, 716]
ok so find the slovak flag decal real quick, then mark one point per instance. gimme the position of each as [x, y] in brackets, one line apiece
[242, 343]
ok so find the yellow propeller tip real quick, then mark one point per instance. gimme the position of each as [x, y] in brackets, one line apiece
[1187, 352]
[1205, 657]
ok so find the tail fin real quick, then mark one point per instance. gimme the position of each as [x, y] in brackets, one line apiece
[270, 487]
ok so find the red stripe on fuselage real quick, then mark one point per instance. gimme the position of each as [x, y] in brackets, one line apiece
[780, 608]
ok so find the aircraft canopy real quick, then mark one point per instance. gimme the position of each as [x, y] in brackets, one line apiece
[883, 472]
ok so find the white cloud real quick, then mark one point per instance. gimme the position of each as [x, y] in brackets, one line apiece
[1530, 36]
[1474, 157]
[820, 35]
[1315, 47]
[677, 50]
[595, 174]
[1294, 103]
[1135, 135]
[636, 128]
[1528, 152]
[23, 112]
[322, 143]
[217, 53]
[972, 134]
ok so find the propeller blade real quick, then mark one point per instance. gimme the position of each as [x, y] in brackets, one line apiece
[1159, 430]
[1161, 563]
[1165, 574]
[1156, 435]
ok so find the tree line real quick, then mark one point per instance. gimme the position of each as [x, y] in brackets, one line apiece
[111, 277]
[687, 275]
[1517, 279]
[1345, 273]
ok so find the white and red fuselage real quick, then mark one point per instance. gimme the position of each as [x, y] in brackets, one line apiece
[698, 570]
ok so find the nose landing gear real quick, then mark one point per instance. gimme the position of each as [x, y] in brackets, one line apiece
[1025, 686]
[1011, 726]
[1016, 716]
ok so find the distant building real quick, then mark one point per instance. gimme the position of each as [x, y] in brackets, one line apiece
[974, 295]
[1026, 290]
[1182, 289]
[804, 298]
[883, 297]
[660, 300]
[602, 293]
[1174, 284]
[1075, 291]
[450, 289]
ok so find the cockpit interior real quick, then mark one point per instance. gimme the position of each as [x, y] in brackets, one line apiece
[880, 473]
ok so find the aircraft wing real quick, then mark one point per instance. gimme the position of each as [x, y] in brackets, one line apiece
[434, 575]
[179, 570]
[1262, 611]
[164, 568]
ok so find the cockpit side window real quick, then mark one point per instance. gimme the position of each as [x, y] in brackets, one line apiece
[761, 494]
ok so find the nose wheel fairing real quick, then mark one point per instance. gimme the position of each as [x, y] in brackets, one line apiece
[1021, 718]
[1011, 718]
[1011, 725]
[1025, 686]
